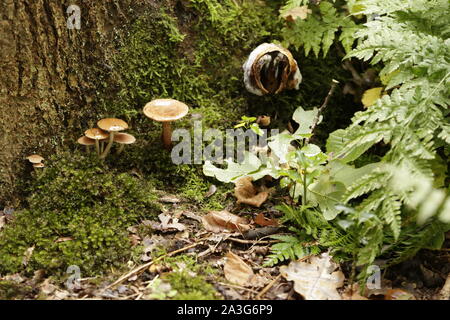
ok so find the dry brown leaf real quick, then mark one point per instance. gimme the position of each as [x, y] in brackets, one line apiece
[2, 222]
[27, 255]
[237, 271]
[444, 294]
[193, 216]
[315, 280]
[246, 192]
[212, 189]
[168, 223]
[169, 199]
[224, 221]
[398, 294]
[263, 221]
[64, 239]
[354, 294]
[295, 13]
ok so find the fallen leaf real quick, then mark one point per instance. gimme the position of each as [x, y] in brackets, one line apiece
[246, 192]
[2, 222]
[263, 221]
[47, 287]
[169, 199]
[191, 215]
[315, 280]
[135, 239]
[398, 294]
[371, 96]
[167, 223]
[354, 294]
[296, 13]
[211, 191]
[237, 271]
[27, 255]
[64, 239]
[224, 221]
[444, 294]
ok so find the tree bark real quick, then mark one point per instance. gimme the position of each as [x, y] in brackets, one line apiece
[50, 74]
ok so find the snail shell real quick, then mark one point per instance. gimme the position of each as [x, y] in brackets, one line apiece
[271, 69]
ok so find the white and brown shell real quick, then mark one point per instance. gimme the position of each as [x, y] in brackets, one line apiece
[271, 69]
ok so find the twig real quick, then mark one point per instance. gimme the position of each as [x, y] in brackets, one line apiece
[322, 107]
[253, 241]
[236, 287]
[267, 288]
[148, 264]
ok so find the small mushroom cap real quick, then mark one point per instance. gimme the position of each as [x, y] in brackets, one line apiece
[112, 124]
[165, 110]
[124, 138]
[85, 141]
[38, 165]
[35, 158]
[96, 134]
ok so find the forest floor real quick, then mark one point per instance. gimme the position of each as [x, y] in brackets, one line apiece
[183, 260]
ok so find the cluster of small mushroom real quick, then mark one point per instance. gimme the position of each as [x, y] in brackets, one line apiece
[105, 135]
[36, 160]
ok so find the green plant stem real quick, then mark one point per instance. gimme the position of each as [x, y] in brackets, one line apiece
[304, 188]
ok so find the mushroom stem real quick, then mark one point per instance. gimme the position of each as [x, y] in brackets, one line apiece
[167, 135]
[108, 147]
[97, 146]
[87, 149]
[122, 146]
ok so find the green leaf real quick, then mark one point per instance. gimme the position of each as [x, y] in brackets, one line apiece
[234, 170]
[305, 119]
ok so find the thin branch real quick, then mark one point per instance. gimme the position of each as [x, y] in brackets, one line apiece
[148, 264]
[322, 107]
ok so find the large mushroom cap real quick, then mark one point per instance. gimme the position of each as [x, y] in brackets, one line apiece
[124, 138]
[165, 110]
[112, 124]
[85, 141]
[96, 134]
[35, 158]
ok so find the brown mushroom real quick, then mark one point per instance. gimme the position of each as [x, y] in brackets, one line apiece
[38, 165]
[166, 111]
[85, 141]
[123, 139]
[35, 158]
[97, 135]
[112, 125]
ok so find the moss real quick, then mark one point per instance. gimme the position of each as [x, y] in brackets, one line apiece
[79, 198]
[188, 278]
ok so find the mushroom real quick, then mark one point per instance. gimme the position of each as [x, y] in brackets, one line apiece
[166, 111]
[35, 159]
[97, 135]
[85, 141]
[263, 120]
[38, 165]
[112, 125]
[123, 139]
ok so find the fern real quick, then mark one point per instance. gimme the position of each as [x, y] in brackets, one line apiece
[410, 39]
[290, 248]
[320, 28]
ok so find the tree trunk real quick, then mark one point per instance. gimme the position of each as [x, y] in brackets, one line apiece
[50, 74]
